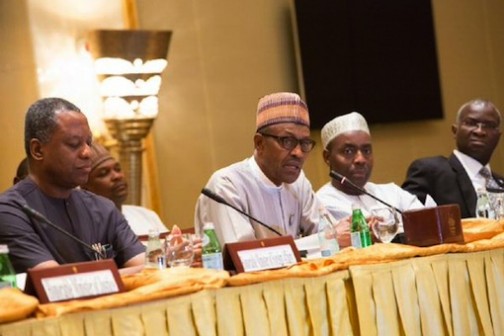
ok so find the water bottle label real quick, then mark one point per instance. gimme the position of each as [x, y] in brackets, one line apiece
[155, 259]
[328, 247]
[205, 240]
[326, 253]
[213, 261]
[356, 239]
[8, 281]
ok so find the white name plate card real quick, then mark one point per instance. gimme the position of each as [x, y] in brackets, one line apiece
[267, 258]
[74, 281]
[75, 286]
[261, 254]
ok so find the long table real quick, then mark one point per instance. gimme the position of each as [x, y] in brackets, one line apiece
[448, 294]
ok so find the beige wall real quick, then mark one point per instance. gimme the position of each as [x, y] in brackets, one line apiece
[18, 87]
[226, 54]
[42, 54]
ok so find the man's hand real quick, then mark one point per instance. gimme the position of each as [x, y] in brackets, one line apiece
[343, 229]
[196, 245]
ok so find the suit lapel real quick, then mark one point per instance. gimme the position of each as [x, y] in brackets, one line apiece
[464, 182]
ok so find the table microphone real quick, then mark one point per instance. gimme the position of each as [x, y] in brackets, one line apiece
[32, 213]
[344, 181]
[495, 190]
[210, 194]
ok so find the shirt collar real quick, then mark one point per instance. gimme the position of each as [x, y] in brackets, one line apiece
[261, 176]
[471, 165]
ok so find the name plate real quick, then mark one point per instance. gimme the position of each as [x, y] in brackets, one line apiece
[75, 286]
[74, 281]
[261, 254]
[267, 258]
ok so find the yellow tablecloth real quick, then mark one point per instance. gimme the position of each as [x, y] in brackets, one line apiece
[446, 294]
[297, 306]
[452, 294]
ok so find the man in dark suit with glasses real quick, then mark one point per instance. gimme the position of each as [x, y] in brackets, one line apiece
[456, 179]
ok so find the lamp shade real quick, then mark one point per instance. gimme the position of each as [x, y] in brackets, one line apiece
[129, 44]
[129, 64]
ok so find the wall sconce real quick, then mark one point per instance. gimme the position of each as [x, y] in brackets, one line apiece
[129, 64]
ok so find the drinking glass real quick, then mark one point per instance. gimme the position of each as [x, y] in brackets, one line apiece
[179, 250]
[386, 225]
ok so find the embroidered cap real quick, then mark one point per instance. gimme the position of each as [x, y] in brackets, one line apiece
[281, 107]
[99, 154]
[346, 123]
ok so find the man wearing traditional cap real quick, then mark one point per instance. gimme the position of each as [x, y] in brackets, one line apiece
[107, 179]
[348, 151]
[270, 185]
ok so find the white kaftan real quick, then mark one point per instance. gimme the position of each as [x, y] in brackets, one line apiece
[292, 209]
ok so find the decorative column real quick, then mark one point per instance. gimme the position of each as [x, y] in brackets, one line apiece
[129, 64]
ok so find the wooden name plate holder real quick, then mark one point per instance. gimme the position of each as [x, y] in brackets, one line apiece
[433, 226]
[74, 281]
[261, 254]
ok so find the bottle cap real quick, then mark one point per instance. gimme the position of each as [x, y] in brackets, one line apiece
[153, 233]
[4, 249]
[481, 190]
[208, 226]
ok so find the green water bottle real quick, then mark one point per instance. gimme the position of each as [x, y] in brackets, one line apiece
[359, 231]
[7, 274]
[211, 254]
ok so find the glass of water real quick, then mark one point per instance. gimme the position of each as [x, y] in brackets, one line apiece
[386, 225]
[179, 250]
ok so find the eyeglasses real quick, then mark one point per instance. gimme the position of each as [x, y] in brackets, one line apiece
[485, 125]
[290, 142]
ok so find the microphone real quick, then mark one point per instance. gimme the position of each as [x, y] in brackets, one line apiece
[210, 194]
[344, 181]
[495, 190]
[32, 213]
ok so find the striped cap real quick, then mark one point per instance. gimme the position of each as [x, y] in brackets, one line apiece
[281, 107]
[346, 123]
[99, 154]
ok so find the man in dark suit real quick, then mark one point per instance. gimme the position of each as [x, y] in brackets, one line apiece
[455, 180]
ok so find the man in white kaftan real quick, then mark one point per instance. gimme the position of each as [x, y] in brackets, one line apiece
[348, 151]
[339, 203]
[270, 186]
[290, 209]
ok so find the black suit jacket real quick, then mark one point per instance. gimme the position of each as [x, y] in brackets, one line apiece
[446, 180]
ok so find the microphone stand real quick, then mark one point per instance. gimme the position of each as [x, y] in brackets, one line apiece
[213, 196]
[344, 181]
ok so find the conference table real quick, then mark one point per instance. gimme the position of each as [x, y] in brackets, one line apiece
[382, 290]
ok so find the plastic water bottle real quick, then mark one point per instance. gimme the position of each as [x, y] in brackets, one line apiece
[327, 234]
[211, 254]
[154, 254]
[499, 206]
[7, 274]
[359, 231]
[484, 208]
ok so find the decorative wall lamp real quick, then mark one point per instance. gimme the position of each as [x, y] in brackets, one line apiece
[129, 64]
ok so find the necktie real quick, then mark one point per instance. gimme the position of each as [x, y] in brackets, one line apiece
[490, 182]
